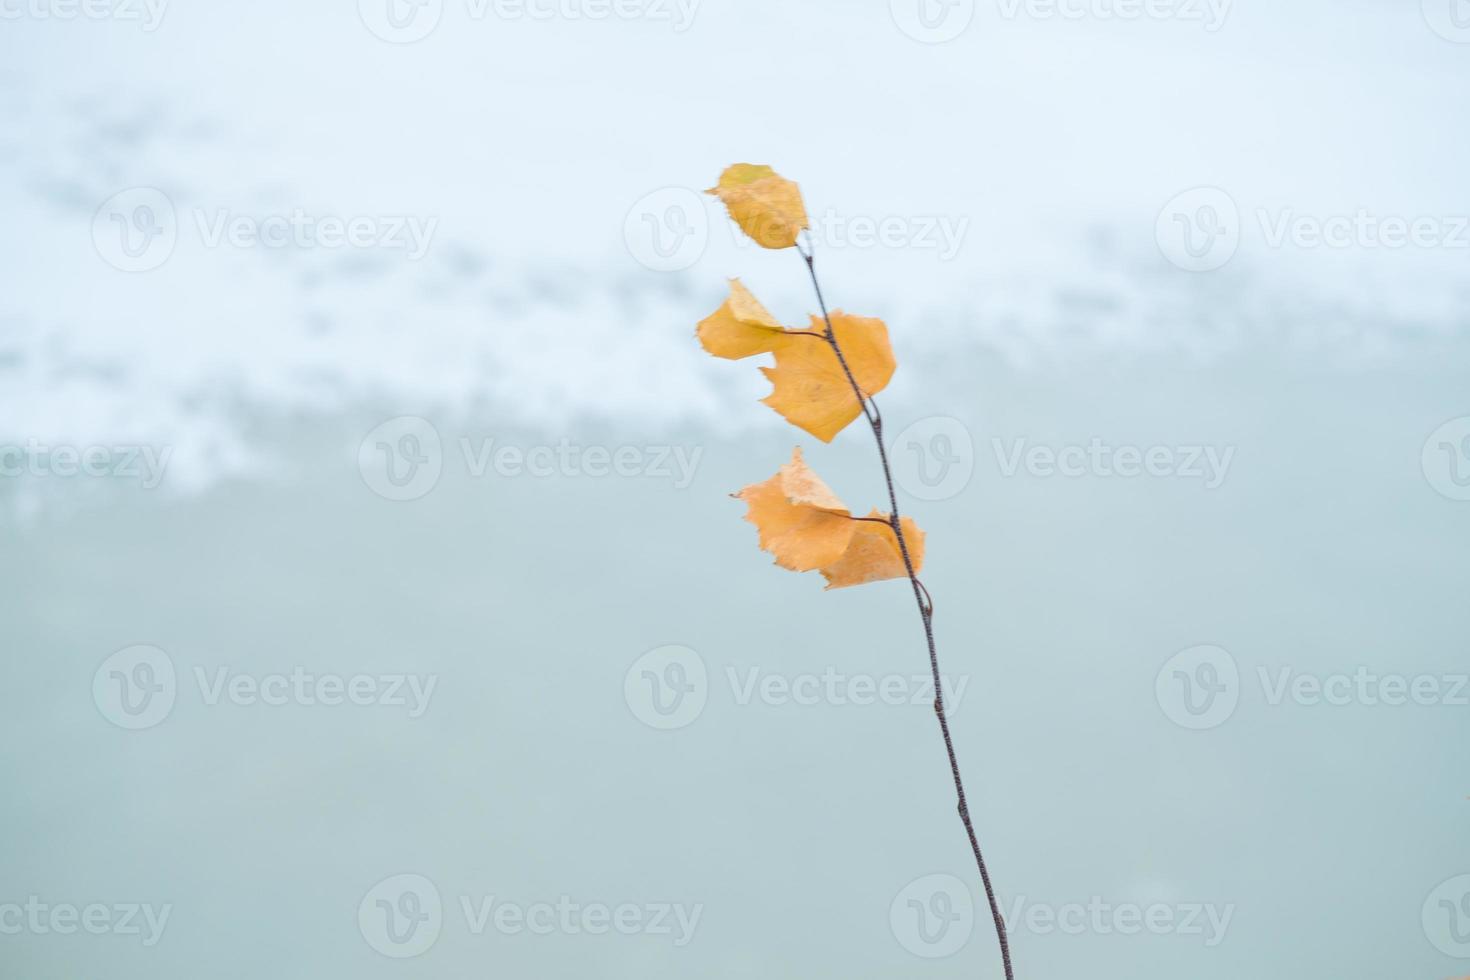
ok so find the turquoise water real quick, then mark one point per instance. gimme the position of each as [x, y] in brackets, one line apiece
[786, 829]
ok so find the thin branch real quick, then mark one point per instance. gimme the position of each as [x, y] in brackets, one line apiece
[928, 600]
[926, 611]
[871, 414]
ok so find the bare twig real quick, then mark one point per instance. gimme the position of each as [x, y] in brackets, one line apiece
[926, 610]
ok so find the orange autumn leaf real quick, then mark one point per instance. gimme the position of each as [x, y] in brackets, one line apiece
[741, 326]
[799, 518]
[765, 205]
[812, 391]
[873, 554]
[803, 523]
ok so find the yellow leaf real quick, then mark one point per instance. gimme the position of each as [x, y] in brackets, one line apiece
[765, 205]
[811, 389]
[873, 554]
[803, 523]
[740, 327]
[800, 520]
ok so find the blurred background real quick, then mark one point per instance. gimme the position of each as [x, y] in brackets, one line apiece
[374, 606]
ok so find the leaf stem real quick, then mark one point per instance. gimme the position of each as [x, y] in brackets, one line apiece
[926, 612]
